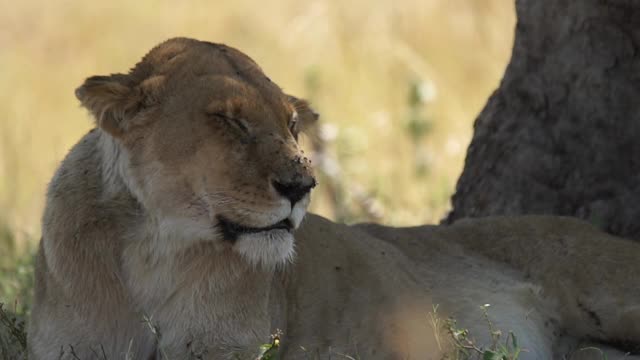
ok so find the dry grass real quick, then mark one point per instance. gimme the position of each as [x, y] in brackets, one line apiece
[357, 61]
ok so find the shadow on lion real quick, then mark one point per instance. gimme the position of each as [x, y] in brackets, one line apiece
[186, 206]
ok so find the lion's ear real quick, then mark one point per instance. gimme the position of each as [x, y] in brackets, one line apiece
[115, 100]
[307, 116]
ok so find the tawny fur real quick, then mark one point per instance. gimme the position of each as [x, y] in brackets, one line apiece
[196, 131]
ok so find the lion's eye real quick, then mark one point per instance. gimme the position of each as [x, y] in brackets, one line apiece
[238, 124]
[293, 126]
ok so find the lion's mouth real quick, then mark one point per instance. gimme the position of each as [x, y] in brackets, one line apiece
[231, 231]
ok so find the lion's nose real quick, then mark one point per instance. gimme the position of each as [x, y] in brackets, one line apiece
[295, 190]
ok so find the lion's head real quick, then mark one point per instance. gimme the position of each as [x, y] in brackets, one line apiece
[208, 147]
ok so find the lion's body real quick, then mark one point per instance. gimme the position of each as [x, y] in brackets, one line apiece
[160, 214]
[371, 290]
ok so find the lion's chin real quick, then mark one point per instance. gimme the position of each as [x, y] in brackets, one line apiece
[266, 249]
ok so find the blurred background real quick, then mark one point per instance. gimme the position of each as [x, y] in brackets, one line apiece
[398, 84]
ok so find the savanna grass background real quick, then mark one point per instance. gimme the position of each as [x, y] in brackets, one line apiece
[398, 84]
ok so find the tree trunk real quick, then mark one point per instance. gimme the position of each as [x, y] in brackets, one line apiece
[562, 133]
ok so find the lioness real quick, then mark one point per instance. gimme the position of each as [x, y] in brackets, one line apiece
[180, 208]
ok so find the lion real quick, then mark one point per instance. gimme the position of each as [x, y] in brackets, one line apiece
[168, 233]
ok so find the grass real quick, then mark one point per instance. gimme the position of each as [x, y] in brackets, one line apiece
[13, 341]
[460, 344]
[13, 336]
[465, 348]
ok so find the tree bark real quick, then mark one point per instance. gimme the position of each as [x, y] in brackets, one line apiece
[561, 135]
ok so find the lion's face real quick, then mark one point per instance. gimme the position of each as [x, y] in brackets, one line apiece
[211, 147]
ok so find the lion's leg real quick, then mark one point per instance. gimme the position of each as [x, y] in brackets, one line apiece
[591, 275]
[61, 335]
[213, 304]
[64, 326]
[195, 331]
[483, 297]
[496, 304]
